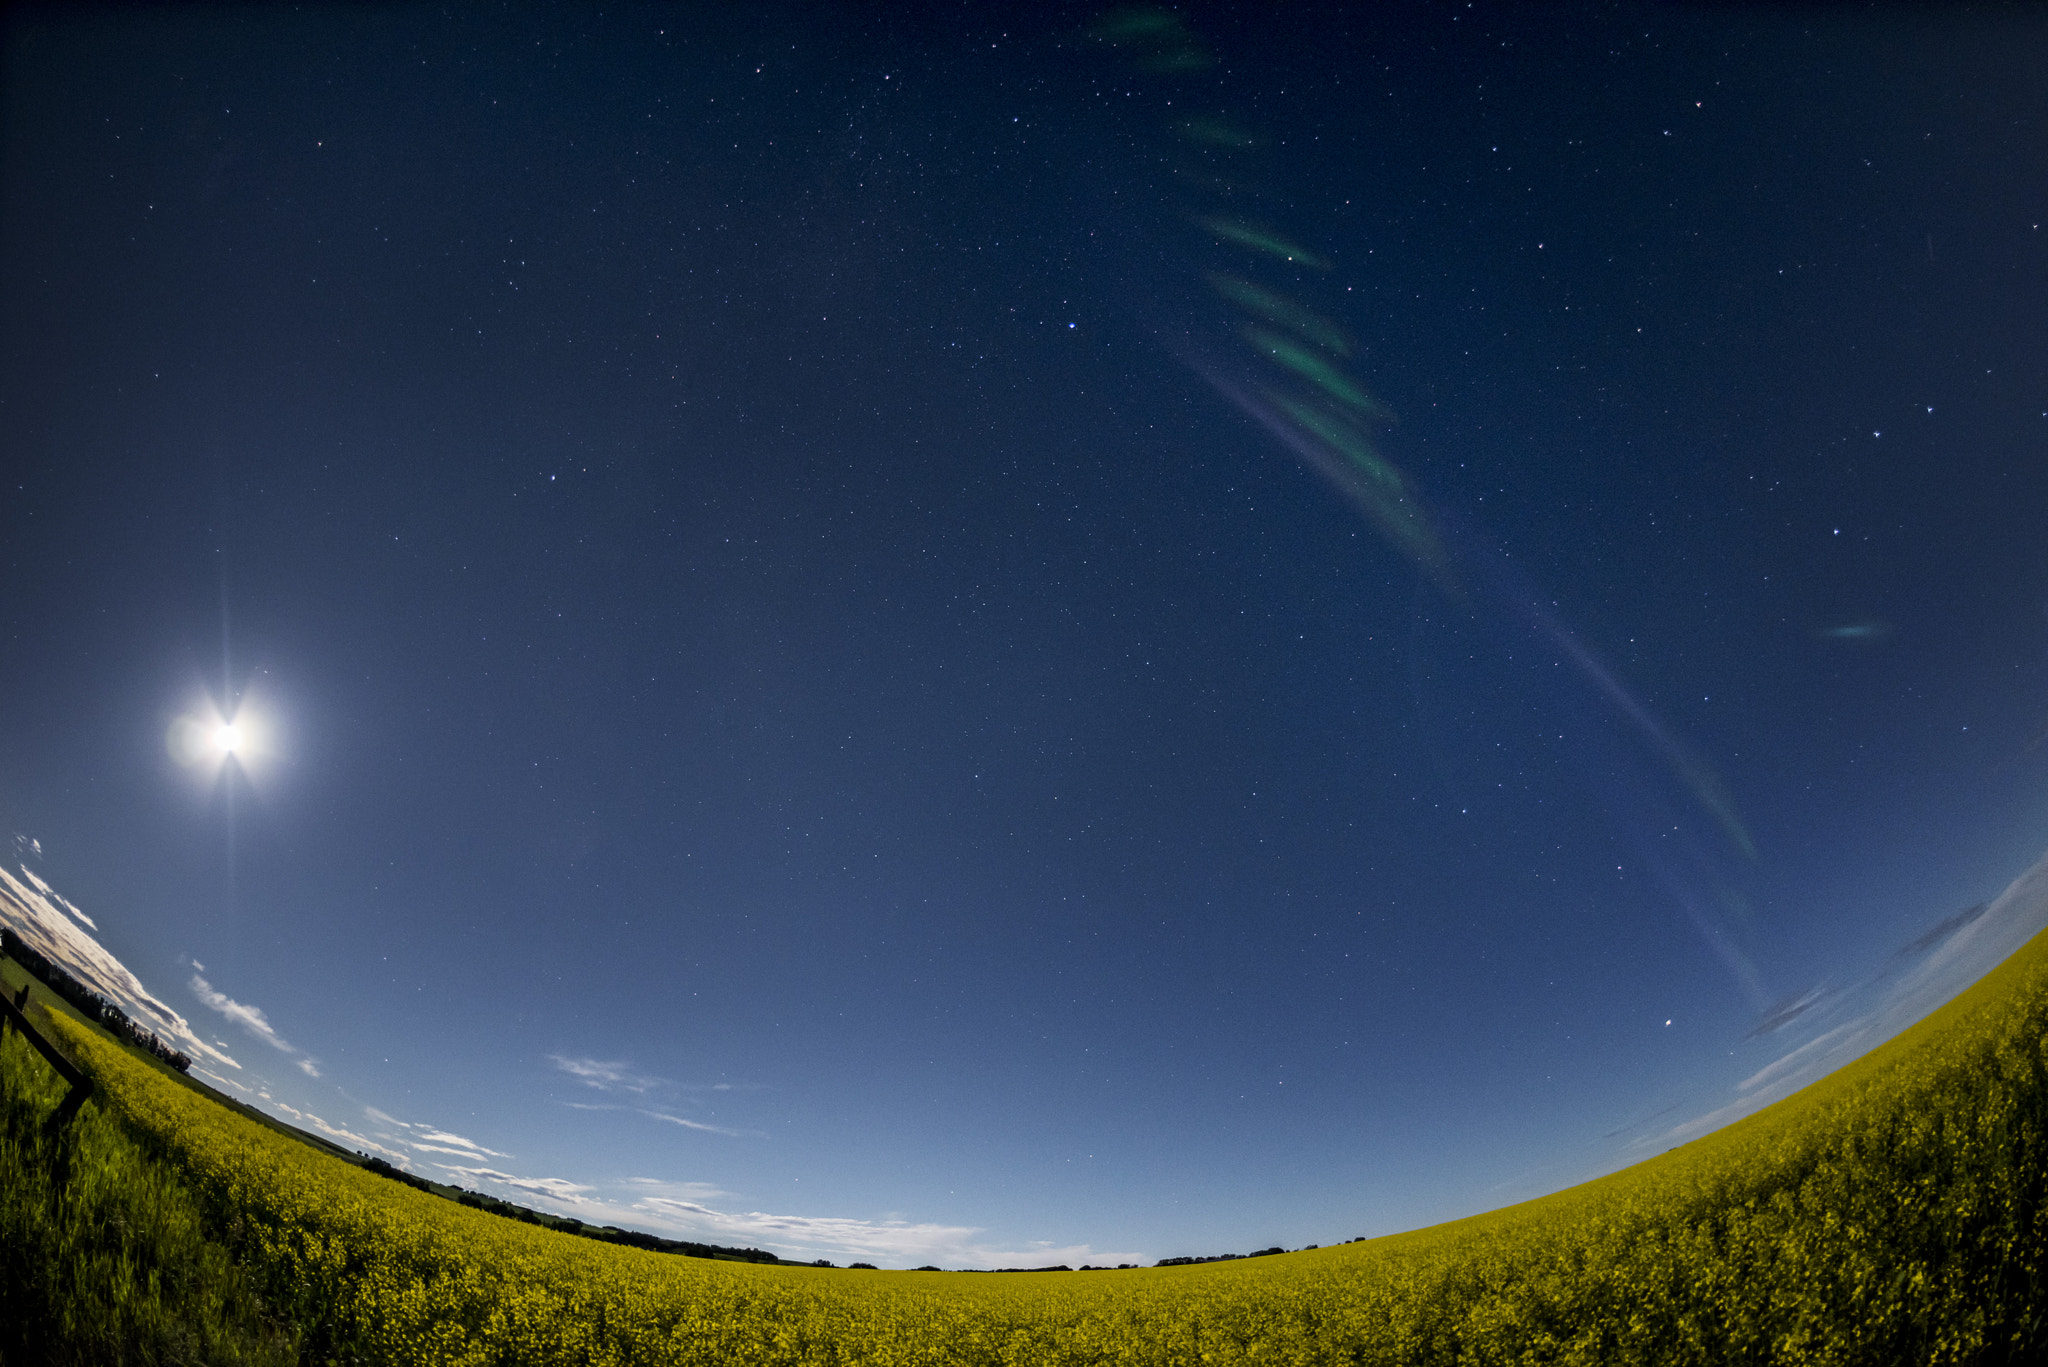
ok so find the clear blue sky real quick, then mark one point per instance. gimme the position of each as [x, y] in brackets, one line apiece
[834, 655]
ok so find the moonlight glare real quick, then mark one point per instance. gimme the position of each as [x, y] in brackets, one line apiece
[203, 740]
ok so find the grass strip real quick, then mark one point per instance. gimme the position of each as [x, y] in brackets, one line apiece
[105, 1258]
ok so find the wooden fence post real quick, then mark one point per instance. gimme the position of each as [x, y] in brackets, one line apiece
[81, 1085]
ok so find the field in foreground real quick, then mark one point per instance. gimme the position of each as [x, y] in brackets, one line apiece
[1891, 1213]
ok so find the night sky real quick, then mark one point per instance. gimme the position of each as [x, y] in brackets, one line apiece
[978, 636]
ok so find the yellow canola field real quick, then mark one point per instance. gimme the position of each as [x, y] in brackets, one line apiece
[1892, 1213]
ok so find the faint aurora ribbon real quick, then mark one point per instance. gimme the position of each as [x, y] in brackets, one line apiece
[1307, 399]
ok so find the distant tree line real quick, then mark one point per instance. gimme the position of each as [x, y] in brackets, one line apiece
[1120, 1267]
[89, 1003]
[1220, 1257]
[1127, 1267]
[633, 1238]
[384, 1169]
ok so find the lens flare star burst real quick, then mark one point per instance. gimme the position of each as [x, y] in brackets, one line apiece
[204, 740]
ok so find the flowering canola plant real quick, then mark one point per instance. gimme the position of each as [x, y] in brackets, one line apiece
[1893, 1212]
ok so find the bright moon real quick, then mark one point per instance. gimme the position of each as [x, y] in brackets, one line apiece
[205, 743]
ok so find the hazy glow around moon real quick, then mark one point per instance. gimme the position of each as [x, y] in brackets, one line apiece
[203, 740]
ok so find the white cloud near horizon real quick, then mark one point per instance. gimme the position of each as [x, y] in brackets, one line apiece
[308, 1118]
[52, 894]
[678, 1210]
[1806, 1053]
[51, 926]
[410, 1140]
[557, 1189]
[33, 912]
[1888, 1005]
[899, 1241]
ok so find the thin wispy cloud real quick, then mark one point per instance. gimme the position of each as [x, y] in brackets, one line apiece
[440, 1140]
[680, 1191]
[410, 1139]
[251, 1019]
[1721, 1115]
[668, 1116]
[1918, 978]
[1935, 935]
[693, 1124]
[1788, 1009]
[607, 1076]
[217, 1080]
[1814, 1051]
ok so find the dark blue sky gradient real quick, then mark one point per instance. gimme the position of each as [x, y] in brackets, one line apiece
[747, 585]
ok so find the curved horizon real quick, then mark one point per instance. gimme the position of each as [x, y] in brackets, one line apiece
[1015, 638]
